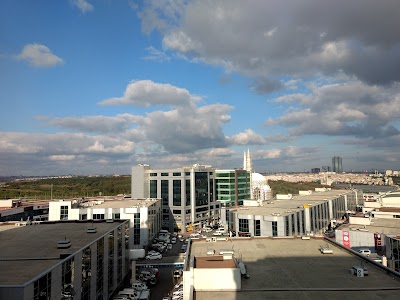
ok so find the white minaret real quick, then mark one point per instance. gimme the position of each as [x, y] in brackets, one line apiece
[248, 166]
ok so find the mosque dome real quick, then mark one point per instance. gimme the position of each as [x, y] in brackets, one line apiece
[258, 180]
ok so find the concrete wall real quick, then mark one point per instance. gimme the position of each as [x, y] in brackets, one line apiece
[358, 239]
[217, 279]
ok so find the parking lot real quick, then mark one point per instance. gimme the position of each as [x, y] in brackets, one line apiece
[166, 281]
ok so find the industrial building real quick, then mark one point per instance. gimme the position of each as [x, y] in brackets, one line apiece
[79, 260]
[144, 215]
[188, 194]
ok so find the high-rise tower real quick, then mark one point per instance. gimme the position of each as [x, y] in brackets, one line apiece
[337, 164]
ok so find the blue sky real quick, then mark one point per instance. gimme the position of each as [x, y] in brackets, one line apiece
[97, 86]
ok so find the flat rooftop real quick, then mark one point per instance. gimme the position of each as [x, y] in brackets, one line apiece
[288, 206]
[127, 203]
[215, 261]
[30, 250]
[295, 269]
[380, 225]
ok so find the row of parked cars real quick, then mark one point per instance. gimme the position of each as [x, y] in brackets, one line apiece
[177, 292]
[140, 289]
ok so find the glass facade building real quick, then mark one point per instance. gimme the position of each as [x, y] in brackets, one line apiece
[233, 186]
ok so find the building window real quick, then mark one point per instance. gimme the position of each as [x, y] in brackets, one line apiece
[83, 217]
[287, 225]
[42, 287]
[98, 216]
[100, 268]
[274, 228]
[153, 174]
[64, 212]
[177, 193]
[136, 228]
[201, 186]
[187, 192]
[117, 216]
[164, 174]
[176, 211]
[176, 174]
[243, 225]
[257, 228]
[153, 188]
[164, 192]
[187, 173]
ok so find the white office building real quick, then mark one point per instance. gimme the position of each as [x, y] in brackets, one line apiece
[188, 194]
[144, 215]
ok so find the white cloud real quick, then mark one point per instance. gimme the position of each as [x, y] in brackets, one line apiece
[62, 157]
[272, 39]
[247, 137]
[352, 108]
[156, 55]
[83, 5]
[39, 56]
[148, 93]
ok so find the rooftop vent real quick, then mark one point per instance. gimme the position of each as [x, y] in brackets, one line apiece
[64, 244]
[109, 221]
[91, 230]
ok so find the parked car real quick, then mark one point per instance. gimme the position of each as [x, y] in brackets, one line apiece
[169, 246]
[217, 233]
[365, 252]
[177, 273]
[138, 285]
[173, 240]
[152, 256]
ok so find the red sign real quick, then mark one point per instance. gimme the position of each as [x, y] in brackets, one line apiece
[346, 239]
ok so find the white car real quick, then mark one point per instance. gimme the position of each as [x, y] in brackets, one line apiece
[138, 285]
[169, 246]
[153, 256]
[217, 233]
[173, 240]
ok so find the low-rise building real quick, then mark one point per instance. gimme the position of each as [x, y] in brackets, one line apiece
[64, 260]
[144, 215]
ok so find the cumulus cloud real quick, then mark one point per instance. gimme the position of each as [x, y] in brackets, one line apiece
[290, 152]
[351, 108]
[271, 39]
[148, 93]
[247, 137]
[62, 157]
[39, 55]
[83, 5]
[102, 124]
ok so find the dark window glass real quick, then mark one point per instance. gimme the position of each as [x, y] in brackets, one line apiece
[164, 192]
[64, 212]
[274, 228]
[243, 225]
[201, 186]
[177, 193]
[136, 228]
[176, 211]
[164, 174]
[257, 228]
[187, 192]
[176, 174]
[153, 174]
[153, 188]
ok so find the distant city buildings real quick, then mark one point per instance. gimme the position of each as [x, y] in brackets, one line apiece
[315, 170]
[326, 169]
[337, 164]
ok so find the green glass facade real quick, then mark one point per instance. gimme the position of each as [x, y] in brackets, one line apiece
[233, 186]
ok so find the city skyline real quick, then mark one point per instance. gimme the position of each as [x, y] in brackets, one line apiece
[96, 87]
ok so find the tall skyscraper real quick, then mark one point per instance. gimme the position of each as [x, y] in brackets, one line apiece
[337, 164]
